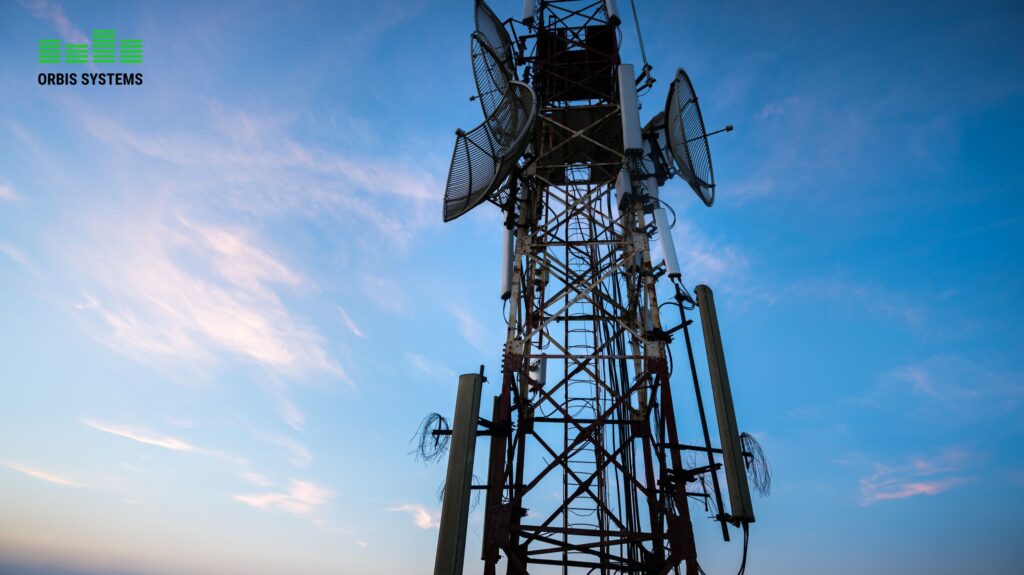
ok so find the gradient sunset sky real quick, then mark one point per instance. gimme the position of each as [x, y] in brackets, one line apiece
[227, 298]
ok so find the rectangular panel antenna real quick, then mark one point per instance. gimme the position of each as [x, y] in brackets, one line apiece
[451, 537]
[732, 450]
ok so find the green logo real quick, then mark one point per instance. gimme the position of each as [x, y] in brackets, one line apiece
[106, 49]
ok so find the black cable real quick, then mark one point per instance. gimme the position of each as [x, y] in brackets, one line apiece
[746, 539]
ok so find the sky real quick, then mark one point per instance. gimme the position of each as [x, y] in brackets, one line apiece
[227, 297]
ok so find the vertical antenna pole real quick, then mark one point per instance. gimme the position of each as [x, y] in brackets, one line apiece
[741, 508]
[451, 537]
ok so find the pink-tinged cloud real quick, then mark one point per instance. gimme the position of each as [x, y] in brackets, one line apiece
[420, 516]
[905, 490]
[301, 498]
[920, 476]
[170, 291]
[7, 193]
[149, 438]
[46, 476]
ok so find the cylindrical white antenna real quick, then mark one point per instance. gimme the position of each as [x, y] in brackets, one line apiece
[507, 257]
[528, 11]
[613, 12]
[668, 245]
[632, 139]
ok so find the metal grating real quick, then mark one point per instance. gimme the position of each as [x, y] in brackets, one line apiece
[490, 75]
[688, 139]
[492, 31]
[485, 155]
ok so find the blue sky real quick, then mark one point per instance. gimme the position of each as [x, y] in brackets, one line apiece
[228, 298]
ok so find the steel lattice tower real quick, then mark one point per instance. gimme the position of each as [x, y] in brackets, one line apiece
[585, 471]
[581, 477]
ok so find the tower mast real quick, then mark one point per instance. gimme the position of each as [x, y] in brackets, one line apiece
[581, 477]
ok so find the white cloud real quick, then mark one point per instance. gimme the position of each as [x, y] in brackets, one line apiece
[186, 291]
[471, 329]
[257, 479]
[351, 325]
[300, 455]
[420, 516]
[962, 384]
[7, 193]
[949, 388]
[705, 261]
[164, 441]
[54, 12]
[301, 498]
[385, 293]
[132, 467]
[257, 167]
[17, 256]
[877, 301]
[430, 368]
[292, 415]
[46, 476]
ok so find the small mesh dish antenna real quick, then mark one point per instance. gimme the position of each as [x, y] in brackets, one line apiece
[687, 138]
[494, 33]
[484, 156]
[489, 73]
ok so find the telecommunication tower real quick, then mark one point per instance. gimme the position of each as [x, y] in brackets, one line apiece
[585, 471]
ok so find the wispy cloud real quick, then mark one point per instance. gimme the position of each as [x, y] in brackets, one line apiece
[186, 291]
[164, 441]
[132, 467]
[420, 516]
[299, 454]
[471, 329]
[948, 387]
[14, 254]
[956, 381]
[877, 301]
[385, 293]
[7, 193]
[46, 476]
[259, 167]
[291, 413]
[257, 479]
[54, 12]
[430, 368]
[351, 325]
[707, 260]
[920, 476]
[301, 498]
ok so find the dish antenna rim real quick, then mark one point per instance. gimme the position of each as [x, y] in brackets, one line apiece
[694, 139]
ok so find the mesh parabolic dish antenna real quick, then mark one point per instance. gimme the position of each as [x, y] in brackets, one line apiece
[489, 73]
[495, 34]
[484, 156]
[687, 138]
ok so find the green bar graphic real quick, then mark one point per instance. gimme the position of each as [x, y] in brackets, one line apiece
[103, 47]
[131, 52]
[49, 51]
[76, 53]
